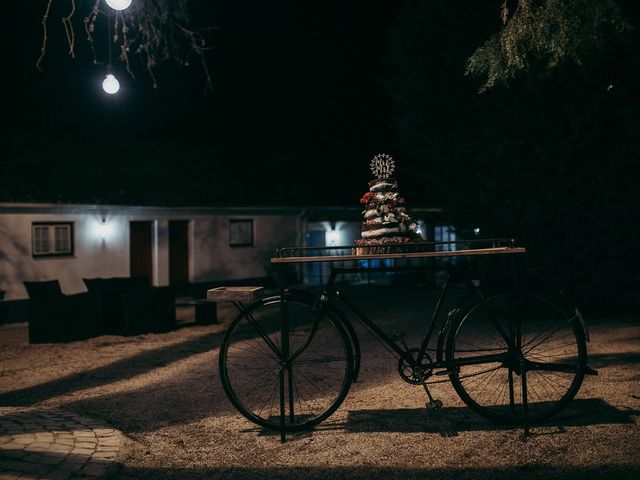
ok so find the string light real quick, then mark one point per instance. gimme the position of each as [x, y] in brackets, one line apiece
[110, 84]
[119, 4]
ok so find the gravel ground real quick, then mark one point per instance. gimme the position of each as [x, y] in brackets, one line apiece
[163, 392]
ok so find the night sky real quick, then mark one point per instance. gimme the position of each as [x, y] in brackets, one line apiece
[306, 93]
[298, 102]
[301, 103]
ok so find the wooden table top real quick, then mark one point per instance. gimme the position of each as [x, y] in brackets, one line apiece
[384, 256]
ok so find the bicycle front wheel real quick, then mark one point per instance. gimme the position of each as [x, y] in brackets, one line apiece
[306, 384]
[509, 350]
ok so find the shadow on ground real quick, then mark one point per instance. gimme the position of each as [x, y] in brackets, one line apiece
[603, 360]
[364, 472]
[450, 421]
[23, 464]
[120, 370]
[144, 407]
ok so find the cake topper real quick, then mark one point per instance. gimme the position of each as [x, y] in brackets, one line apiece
[382, 166]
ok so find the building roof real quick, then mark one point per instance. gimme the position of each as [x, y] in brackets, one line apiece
[312, 213]
[77, 208]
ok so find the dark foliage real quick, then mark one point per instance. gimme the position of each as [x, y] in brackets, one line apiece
[551, 161]
[540, 35]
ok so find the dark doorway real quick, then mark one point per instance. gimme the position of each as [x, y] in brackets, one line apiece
[140, 259]
[316, 238]
[179, 255]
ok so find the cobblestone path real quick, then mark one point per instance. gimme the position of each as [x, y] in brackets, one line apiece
[56, 445]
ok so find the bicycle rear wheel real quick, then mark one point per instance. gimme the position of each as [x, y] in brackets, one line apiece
[313, 378]
[510, 350]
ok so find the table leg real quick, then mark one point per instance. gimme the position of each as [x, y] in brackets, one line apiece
[525, 401]
[284, 341]
[517, 328]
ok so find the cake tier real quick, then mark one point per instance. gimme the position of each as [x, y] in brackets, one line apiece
[379, 211]
[368, 226]
[383, 185]
[377, 246]
[391, 240]
[384, 197]
[385, 219]
[385, 230]
[374, 231]
[383, 233]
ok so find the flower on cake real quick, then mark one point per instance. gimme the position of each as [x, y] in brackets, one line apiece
[366, 197]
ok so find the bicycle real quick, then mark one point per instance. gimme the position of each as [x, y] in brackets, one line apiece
[516, 357]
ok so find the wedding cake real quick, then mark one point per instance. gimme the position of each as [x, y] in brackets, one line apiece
[386, 222]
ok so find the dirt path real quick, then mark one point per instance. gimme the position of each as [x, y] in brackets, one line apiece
[164, 394]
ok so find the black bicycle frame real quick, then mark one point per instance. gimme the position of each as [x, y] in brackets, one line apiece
[331, 289]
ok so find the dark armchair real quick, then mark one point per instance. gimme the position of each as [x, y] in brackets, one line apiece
[56, 317]
[2, 307]
[131, 306]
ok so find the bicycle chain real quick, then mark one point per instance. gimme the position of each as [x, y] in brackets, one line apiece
[465, 376]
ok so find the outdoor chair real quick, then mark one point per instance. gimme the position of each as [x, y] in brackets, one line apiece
[2, 307]
[131, 306]
[56, 317]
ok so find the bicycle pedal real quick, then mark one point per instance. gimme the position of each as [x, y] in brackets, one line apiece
[441, 373]
[434, 404]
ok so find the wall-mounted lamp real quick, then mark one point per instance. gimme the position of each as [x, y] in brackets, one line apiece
[421, 229]
[332, 237]
[103, 229]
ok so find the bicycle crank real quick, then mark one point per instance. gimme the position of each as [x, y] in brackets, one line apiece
[409, 371]
[433, 403]
[416, 374]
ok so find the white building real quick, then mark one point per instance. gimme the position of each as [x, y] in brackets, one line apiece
[173, 246]
[176, 246]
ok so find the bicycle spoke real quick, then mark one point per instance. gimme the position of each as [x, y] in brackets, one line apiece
[252, 349]
[270, 401]
[496, 324]
[552, 367]
[316, 376]
[554, 355]
[320, 360]
[264, 336]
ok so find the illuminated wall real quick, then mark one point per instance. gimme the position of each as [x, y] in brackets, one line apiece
[101, 243]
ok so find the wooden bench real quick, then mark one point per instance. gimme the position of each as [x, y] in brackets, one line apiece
[236, 295]
[206, 310]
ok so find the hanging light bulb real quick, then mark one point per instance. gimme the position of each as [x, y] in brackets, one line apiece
[110, 84]
[119, 4]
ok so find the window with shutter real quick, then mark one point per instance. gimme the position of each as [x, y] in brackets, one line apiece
[52, 239]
